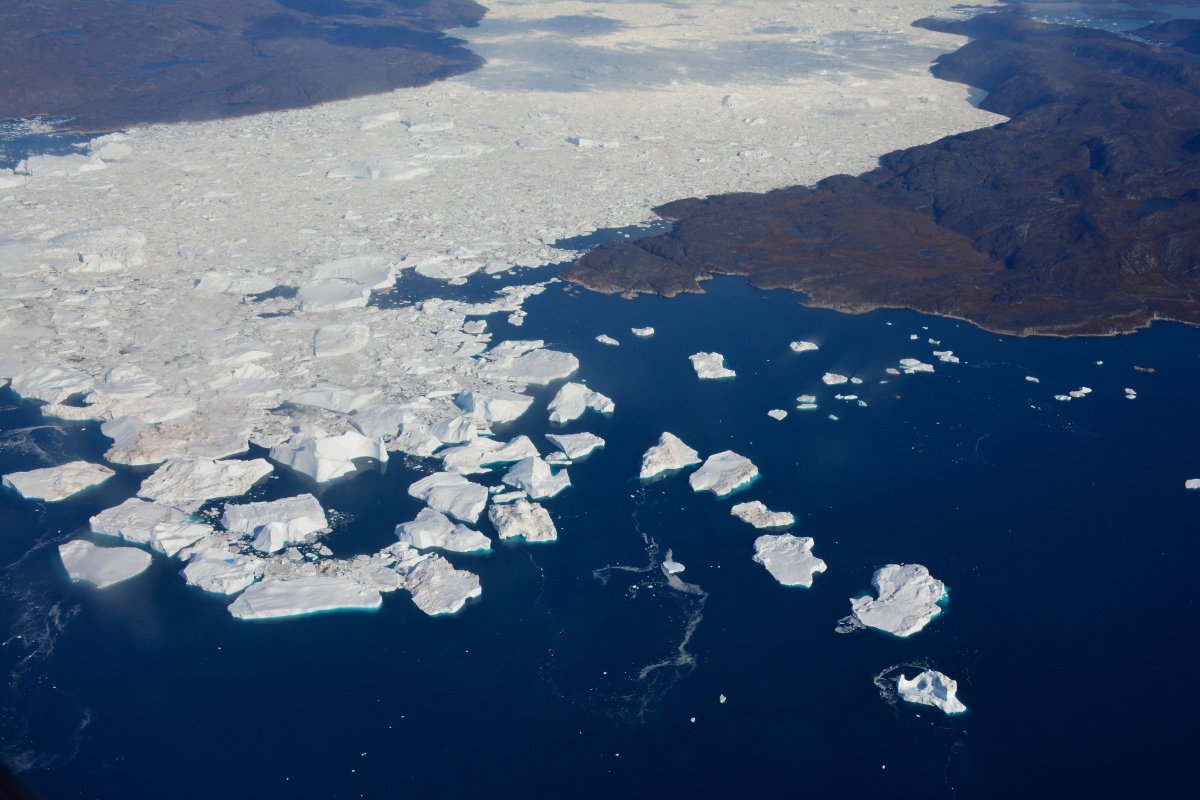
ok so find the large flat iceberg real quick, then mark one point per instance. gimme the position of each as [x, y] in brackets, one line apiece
[908, 599]
[539, 367]
[788, 558]
[670, 453]
[277, 523]
[722, 473]
[451, 494]
[438, 588]
[760, 516]
[522, 518]
[711, 365]
[433, 529]
[575, 398]
[330, 457]
[102, 566]
[187, 485]
[49, 383]
[220, 571]
[57, 483]
[931, 688]
[289, 598]
[493, 405]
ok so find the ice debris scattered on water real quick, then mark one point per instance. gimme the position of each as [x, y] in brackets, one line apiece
[931, 688]
[534, 477]
[946, 355]
[522, 518]
[722, 473]
[575, 398]
[438, 588]
[1130, 394]
[711, 365]
[911, 365]
[670, 453]
[102, 566]
[433, 529]
[908, 599]
[758, 515]
[57, 483]
[788, 558]
[802, 347]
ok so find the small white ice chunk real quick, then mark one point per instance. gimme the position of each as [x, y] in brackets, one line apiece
[642, 332]
[534, 476]
[760, 516]
[911, 365]
[102, 566]
[57, 483]
[670, 453]
[1192, 483]
[802, 347]
[777, 413]
[327, 458]
[722, 473]
[522, 518]
[788, 558]
[908, 597]
[307, 595]
[575, 398]
[931, 688]
[605, 339]
[711, 365]
[832, 378]
[1032, 379]
[671, 567]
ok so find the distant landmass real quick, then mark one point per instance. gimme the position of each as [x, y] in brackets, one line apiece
[1077, 216]
[113, 65]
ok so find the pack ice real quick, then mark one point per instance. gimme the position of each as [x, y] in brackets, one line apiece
[908, 597]
[188, 484]
[57, 483]
[788, 558]
[305, 595]
[670, 453]
[711, 365]
[102, 566]
[758, 515]
[931, 688]
[451, 494]
[523, 518]
[575, 398]
[433, 529]
[722, 473]
[534, 476]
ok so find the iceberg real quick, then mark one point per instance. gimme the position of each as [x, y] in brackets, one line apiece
[340, 340]
[234, 283]
[288, 598]
[760, 516]
[575, 398]
[931, 688]
[381, 421]
[433, 529]
[832, 378]
[324, 459]
[124, 382]
[671, 567]
[374, 272]
[533, 476]
[711, 365]
[335, 398]
[333, 295]
[187, 485]
[453, 430]
[135, 520]
[806, 398]
[1192, 483]
[642, 332]
[493, 405]
[788, 558]
[522, 518]
[575, 445]
[51, 384]
[908, 597]
[68, 166]
[777, 413]
[169, 537]
[1032, 379]
[516, 450]
[722, 473]
[911, 365]
[220, 571]
[605, 339]
[415, 440]
[802, 347]
[946, 355]
[102, 566]
[277, 523]
[57, 483]
[539, 367]
[467, 459]
[670, 453]
[451, 494]
[438, 588]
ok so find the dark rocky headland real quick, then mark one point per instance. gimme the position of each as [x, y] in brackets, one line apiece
[1080, 215]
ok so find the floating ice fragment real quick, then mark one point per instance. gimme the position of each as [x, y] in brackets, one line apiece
[102, 566]
[575, 398]
[454, 430]
[1192, 483]
[832, 379]
[57, 483]
[307, 595]
[801, 347]
[292, 519]
[934, 341]
[892, 371]
[219, 571]
[575, 445]
[1066, 398]
[374, 272]
[539, 367]
[124, 382]
[788, 558]
[722, 698]
[523, 518]
[833, 417]
[760, 516]
[415, 440]
[1032, 379]
[807, 406]
[493, 405]
[135, 520]
[67, 166]
[722, 473]
[451, 494]
[642, 332]
[670, 453]
[604, 339]
[329, 457]
[381, 421]
[534, 476]
[946, 355]
[438, 588]
[433, 529]
[806, 398]
[51, 384]
[672, 567]
[188, 484]
[911, 365]
[777, 413]
[711, 365]
[856, 380]
[908, 599]
[931, 688]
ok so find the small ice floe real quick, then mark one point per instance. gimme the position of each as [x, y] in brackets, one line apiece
[777, 413]
[219, 571]
[1192, 483]
[934, 341]
[671, 567]
[862, 403]
[165, 529]
[605, 339]
[802, 347]
[415, 440]
[1066, 398]
[760, 516]
[1130, 394]
[722, 473]
[328, 457]
[807, 406]
[538, 367]
[57, 483]
[642, 332]
[911, 365]
[1098, 363]
[575, 398]
[276, 524]
[437, 588]
[451, 494]
[946, 355]
[454, 430]
[469, 458]
[892, 371]
[534, 476]
[856, 380]
[931, 688]
[306, 595]
[914, 336]
[508, 497]
[833, 417]
[845, 397]
[788, 558]
[433, 529]
[1032, 379]
[1082, 391]
[102, 566]
[575, 445]
[908, 599]
[188, 484]
[722, 698]
[711, 365]
[522, 518]
[832, 378]
[670, 453]
[492, 405]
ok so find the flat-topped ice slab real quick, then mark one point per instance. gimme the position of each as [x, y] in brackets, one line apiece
[187, 485]
[524, 519]
[908, 599]
[277, 523]
[308, 595]
[833, 379]
[451, 494]
[534, 476]
[711, 365]
[802, 347]
[575, 445]
[335, 398]
[333, 295]
[760, 516]
[102, 566]
[134, 520]
[931, 688]
[670, 453]
[575, 398]
[433, 529]
[722, 473]
[642, 332]
[57, 483]
[538, 367]
[1192, 483]
[438, 588]
[374, 272]
[788, 558]
[329, 457]
[219, 571]
[493, 405]
[381, 421]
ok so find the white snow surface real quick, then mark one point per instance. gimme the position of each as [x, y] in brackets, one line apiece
[522, 518]
[50, 383]
[575, 398]
[534, 477]
[575, 445]
[606, 339]
[908, 597]
[102, 566]
[777, 413]
[57, 483]
[188, 484]
[788, 558]
[451, 494]
[433, 529]
[438, 588]
[305, 595]
[722, 473]
[220, 571]
[931, 688]
[758, 515]
[329, 457]
[711, 365]
[670, 453]
[493, 405]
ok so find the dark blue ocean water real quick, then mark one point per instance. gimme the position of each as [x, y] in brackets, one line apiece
[1062, 530]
